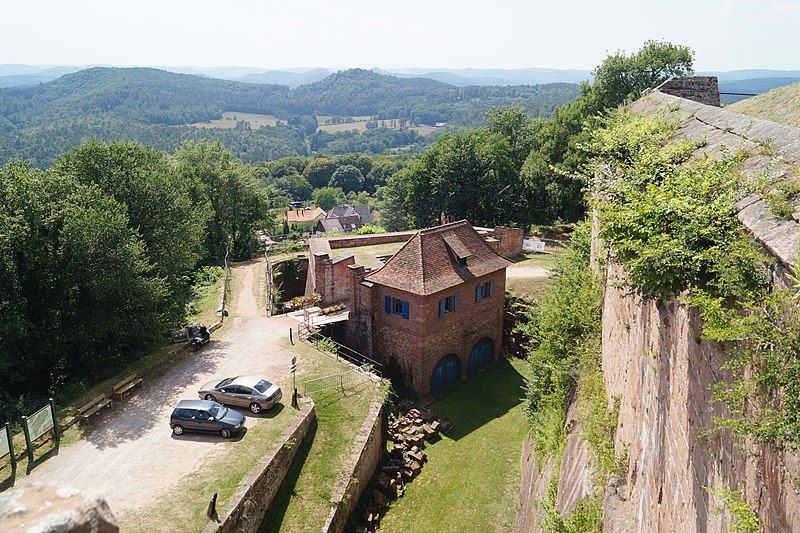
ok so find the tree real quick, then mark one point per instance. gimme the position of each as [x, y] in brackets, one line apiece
[240, 206]
[620, 77]
[328, 197]
[77, 292]
[160, 203]
[348, 178]
[319, 171]
[295, 186]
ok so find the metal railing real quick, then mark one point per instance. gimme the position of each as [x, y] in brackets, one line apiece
[340, 382]
[270, 296]
[337, 350]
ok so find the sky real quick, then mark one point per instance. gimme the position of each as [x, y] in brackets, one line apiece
[275, 34]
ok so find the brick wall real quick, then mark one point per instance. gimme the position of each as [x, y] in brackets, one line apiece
[419, 343]
[254, 495]
[329, 277]
[510, 241]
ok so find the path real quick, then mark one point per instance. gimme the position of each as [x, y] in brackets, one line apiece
[133, 457]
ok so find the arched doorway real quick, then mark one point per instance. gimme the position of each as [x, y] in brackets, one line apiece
[481, 355]
[446, 372]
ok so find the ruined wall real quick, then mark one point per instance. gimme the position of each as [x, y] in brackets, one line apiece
[656, 364]
[702, 89]
[509, 241]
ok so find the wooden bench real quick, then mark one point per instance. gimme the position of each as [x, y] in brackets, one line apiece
[92, 407]
[125, 386]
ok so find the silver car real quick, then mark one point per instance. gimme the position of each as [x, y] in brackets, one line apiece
[247, 391]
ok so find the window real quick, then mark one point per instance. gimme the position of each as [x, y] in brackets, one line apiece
[448, 304]
[462, 261]
[396, 306]
[484, 290]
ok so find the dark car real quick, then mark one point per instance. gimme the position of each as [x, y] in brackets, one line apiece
[252, 392]
[203, 415]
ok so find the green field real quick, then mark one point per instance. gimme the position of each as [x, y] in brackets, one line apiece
[472, 477]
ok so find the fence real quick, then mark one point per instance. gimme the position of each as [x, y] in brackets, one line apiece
[226, 286]
[350, 378]
[339, 351]
[270, 288]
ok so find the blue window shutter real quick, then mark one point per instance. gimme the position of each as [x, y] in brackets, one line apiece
[477, 293]
[405, 310]
[455, 303]
[441, 308]
[388, 301]
[491, 287]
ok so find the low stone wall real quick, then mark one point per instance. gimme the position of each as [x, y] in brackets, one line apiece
[369, 240]
[368, 448]
[256, 491]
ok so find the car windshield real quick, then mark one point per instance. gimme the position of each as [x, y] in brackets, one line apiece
[218, 411]
[263, 385]
[224, 382]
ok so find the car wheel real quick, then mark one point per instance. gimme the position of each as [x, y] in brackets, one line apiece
[178, 430]
[225, 432]
[255, 408]
[210, 398]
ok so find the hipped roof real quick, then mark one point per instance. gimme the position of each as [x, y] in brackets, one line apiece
[427, 264]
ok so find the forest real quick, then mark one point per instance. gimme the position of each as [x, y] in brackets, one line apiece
[155, 107]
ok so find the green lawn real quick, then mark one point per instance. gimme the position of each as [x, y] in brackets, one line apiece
[472, 477]
[365, 255]
[303, 502]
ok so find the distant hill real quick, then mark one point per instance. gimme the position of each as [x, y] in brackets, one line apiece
[749, 87]
[156, 107]
[778, 105]
[362, 92]
[291, 79]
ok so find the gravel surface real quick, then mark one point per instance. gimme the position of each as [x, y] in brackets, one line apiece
[527, 272]
[132, 456]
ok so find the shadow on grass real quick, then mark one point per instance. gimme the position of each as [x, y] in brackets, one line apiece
[277, 510]
[488, 395]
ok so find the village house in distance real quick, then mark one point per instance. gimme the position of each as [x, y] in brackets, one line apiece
[434, 310]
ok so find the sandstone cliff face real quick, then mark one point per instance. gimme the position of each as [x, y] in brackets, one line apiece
[656, 364]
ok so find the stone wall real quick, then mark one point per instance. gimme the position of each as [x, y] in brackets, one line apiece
[255, 492]
[703, 89]
[367, 451]
[369, 240]
[509, 241]
[655, 362]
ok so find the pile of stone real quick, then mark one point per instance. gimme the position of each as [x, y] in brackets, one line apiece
[409, 434]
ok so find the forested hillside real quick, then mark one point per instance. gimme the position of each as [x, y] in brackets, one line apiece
[156, 107]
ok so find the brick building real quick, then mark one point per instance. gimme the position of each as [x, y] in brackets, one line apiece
[434, 311]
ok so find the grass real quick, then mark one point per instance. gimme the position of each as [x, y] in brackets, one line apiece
[303, 502]
[471, 480]
[365, 255]
[229, 120]
[529, 289]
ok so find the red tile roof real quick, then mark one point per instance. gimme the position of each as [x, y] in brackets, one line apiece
[429, 261]
[304, 215]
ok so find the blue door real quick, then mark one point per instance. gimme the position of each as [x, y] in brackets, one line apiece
[446, 372]
[481, 355]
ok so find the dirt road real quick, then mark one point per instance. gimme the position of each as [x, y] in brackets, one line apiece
[133, 457]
